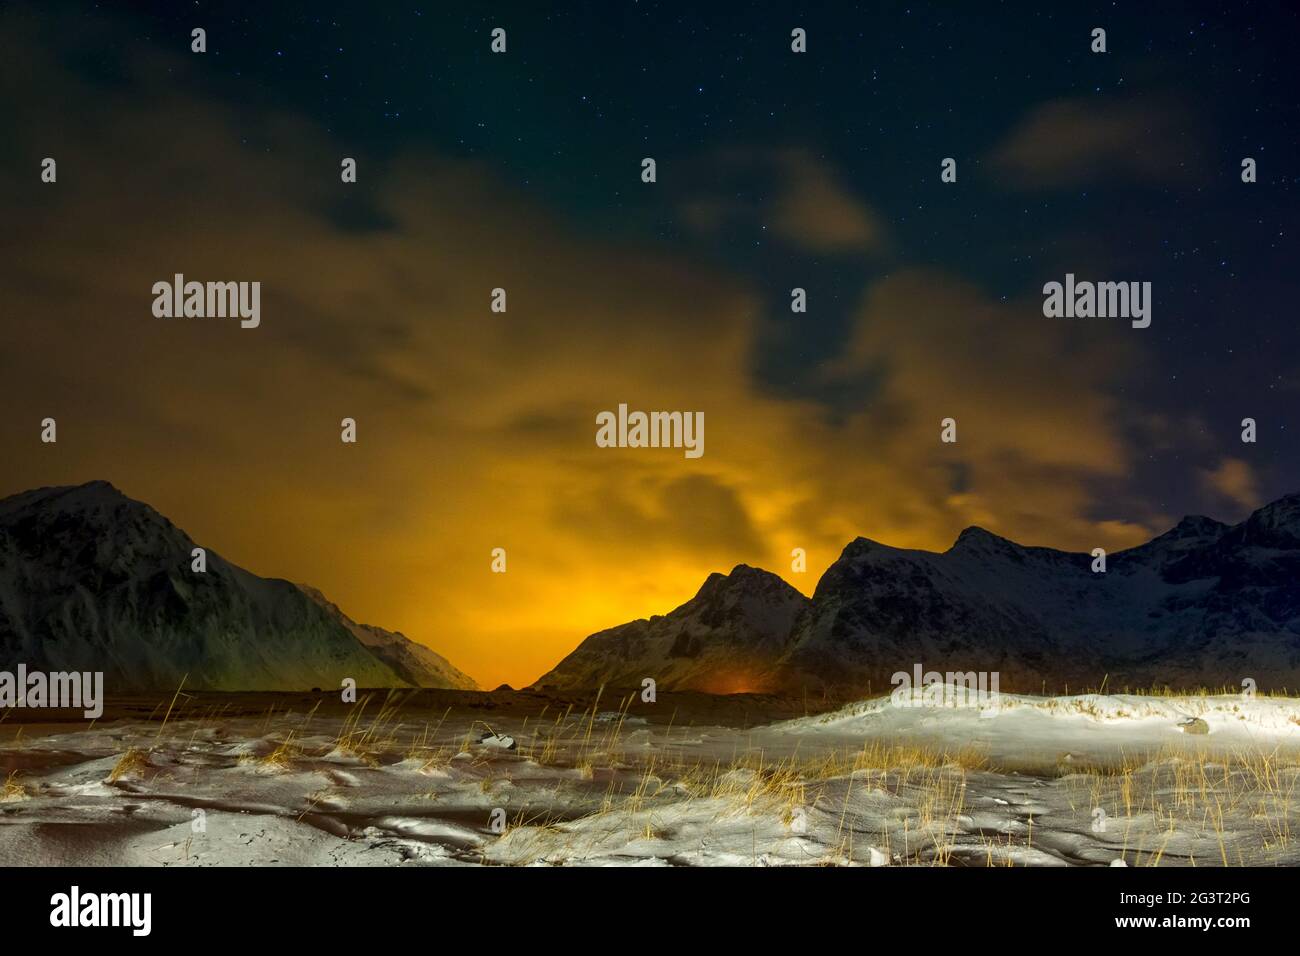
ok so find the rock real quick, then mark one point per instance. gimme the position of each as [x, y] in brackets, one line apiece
[499, 741]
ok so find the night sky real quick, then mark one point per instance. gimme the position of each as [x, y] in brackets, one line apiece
[522, 170]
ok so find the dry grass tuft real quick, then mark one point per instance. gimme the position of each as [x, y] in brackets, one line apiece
[12, 789]
[133, 763]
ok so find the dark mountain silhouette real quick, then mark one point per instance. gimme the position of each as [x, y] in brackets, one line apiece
[729, 637]
[414, 663]
[1203, 604]
[93, 580]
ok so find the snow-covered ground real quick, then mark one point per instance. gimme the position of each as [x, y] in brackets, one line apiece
[1092, 779]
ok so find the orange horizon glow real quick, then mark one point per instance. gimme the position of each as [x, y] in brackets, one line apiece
[476, 430]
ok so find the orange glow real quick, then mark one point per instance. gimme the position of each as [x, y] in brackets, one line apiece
[477, 430]
[735, 684]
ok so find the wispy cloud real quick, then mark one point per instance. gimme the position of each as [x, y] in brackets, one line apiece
[1233, 480]
[792, 194]
[1069, 142]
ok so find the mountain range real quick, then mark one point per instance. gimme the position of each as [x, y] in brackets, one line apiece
[93, 580]
[1205, 604]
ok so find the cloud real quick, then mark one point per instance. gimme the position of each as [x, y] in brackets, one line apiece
[1234, 480]
[817, 211]
[797, 196]
[1071, 142]
[476, 429]
[664, 513]
[1037, 429]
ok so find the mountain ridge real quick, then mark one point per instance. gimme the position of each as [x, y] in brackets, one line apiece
[1204, 603]
[91, 579]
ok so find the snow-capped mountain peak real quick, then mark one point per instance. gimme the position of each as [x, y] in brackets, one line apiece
[91, 579]
[1205, 603]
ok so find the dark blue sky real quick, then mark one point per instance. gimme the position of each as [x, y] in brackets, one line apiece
[1153, 193]
[884, 93]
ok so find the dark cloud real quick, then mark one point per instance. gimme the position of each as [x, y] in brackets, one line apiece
[1069, 142]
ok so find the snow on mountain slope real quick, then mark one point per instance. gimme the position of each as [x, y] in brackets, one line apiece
[725, 639]
[1203, 604]
[93, 580]
[414, 663]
